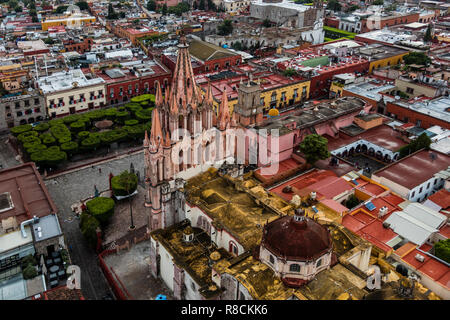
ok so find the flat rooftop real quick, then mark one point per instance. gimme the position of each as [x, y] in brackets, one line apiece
[415, 169]
[383, 136]
[28, 193]
[370, 88]
[437, 108]
[66, 80]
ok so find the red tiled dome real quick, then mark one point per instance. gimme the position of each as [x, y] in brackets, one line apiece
[296, 240]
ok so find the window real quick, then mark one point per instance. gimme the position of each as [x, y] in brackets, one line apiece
[319, 263]
[271, 259]
[27, 103]
[413, 194]
[7, 108]
[409, 90]
[420, 190]
[418, 123]
[36, 101]
[428, 185]
[19, 113]
[261, 101]
[294, 267]
[193, 286]
[435, 181]
[233, 248]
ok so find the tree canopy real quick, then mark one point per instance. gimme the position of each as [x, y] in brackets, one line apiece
[442, 250]
[151, 5]
[418, 58]
[225, 28]
[314, 147]
[334, 5]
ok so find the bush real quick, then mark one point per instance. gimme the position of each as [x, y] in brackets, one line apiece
[54, 156]
[83, 135]
[21, 129]
[95, 115]
[90, 143]
[35, 148]
[24, 136]
[101, 208]
[121, 116]
[30, 141]
[38, 157]
[123, 182]
[60, 131]
[135, 132]
[41, 127]
[144, 115]
[89, 227]
[64, 140]
[77, 126]
[111, 136]
[110, 114]
[131, 122]
[55, 122]
[49, 140]
[442, 250]
[71, 119]
[29, 272]
[143, 97]
[27, 260]
[70, 147]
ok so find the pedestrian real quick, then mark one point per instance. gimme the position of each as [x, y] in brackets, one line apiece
[70, 248]
[99, 170]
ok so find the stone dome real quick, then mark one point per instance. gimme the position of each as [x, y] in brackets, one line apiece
[296, 239]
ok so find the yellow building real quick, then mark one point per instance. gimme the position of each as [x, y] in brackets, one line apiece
[277, 91]
[381, 55]
[69, 20]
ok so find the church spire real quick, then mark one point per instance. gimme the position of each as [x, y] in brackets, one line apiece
[184, 90]
[209, 96]
[158, 96]
[224, 112]
[156, 135]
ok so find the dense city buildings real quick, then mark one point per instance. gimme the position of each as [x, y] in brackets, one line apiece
[224, 150]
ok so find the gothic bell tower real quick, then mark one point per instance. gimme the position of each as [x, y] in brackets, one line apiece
[249, 110]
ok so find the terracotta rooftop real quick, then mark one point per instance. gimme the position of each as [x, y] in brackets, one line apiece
[431, 267]
[415, 169]
[63, 293]
[27, 191]
[441, 198]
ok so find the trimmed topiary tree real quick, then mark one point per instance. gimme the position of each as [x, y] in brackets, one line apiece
[55, 122]
[124, 184]
[77, 126]
[70, 147]
[131, 122]
[35, 148]
[88, 226]
[41, 127]
[60, 131]
[71, 119]
[142, 97]
[111, 136]
[90, 143]
[54, 156]
[144, 115]
[21, 129]
[121, 116]
[49, 140]
[26, 135]
[83, 135]
[101, 208]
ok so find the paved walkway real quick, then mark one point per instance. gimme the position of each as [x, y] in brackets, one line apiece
[7, 154]
[69, 188]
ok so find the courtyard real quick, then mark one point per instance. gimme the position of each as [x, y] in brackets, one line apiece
[132, 271]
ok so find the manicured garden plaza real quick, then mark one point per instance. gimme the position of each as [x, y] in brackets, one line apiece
[49, 144]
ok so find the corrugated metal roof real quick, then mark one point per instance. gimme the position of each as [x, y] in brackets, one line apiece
[410, 228]
[425, 214]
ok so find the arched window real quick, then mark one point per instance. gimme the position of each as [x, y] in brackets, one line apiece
[233, 248]
[294, 267]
